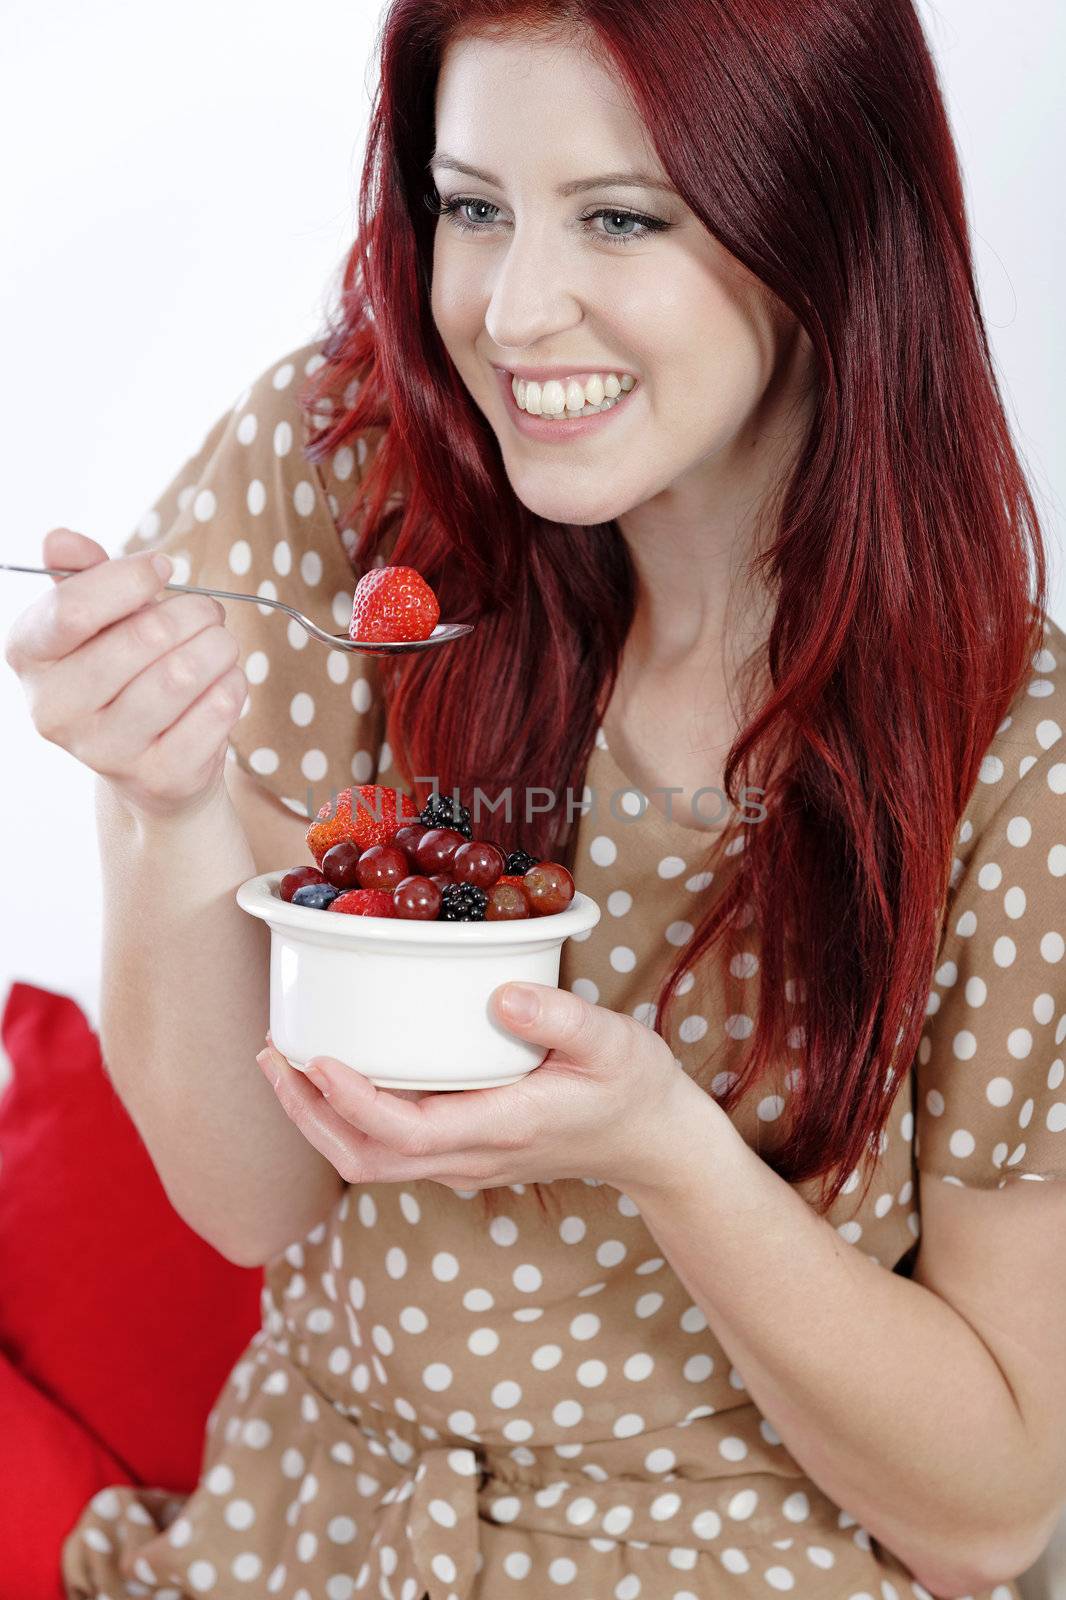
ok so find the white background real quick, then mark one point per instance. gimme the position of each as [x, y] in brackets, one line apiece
[179, 190]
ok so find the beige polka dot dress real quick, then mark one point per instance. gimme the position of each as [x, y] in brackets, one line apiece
[439, 1404]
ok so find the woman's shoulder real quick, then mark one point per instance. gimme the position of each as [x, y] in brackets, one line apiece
[248, 513]
[277, 398]
[251, 472]
[989, 1065]
[1024, 765]
[273, 423]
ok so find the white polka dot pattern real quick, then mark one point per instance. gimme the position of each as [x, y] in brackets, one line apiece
[444, 1404]
[249, 512]
[991, 1104]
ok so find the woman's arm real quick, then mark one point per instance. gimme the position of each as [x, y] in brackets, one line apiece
[947, 1446]
[184, 1009]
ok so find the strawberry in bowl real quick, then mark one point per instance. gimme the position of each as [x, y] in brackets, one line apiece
[367, 815]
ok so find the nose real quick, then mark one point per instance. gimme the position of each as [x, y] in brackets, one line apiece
[534, 293]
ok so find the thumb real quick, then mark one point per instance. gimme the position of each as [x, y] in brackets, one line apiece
[62, 547]
[588, 1034]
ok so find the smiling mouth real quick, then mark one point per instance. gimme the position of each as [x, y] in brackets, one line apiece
[608, 403]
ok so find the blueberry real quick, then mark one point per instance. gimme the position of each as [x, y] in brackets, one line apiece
[319, 896]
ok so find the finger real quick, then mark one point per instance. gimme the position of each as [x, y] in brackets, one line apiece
[587, 1035]
[162, 693]
[89, 679]
[197, 742]
[348, 1149]
[399, 1094]
[63, 547]
[435, 1127]
[78, 608]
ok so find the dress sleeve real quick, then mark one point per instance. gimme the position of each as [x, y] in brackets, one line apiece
[249, 513]
[990, 1101]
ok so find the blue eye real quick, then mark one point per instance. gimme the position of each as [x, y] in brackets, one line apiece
[455, 208]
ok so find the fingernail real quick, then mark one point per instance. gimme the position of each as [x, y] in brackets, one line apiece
[520, 1004]
[318, 1078]
[268, 1067]
[163, 565]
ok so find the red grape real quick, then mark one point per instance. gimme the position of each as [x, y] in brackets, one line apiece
[478, 862]
[418, 898]
[340, 863]
[506, 902]
[295, 879]
[407, 837]
[441, 878]
[436, 848]
[381, 867]
[550, 888]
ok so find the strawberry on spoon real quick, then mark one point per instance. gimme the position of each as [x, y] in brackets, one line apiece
[392, 604]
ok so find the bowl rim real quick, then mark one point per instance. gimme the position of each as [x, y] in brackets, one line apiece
[256, 897]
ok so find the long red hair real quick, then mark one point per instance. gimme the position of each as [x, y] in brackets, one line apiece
[904, 552]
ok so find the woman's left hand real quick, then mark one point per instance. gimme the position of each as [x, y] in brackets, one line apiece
[609, 1101]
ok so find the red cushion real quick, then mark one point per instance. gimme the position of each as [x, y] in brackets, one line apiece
[49, 1467]
[111, 1304]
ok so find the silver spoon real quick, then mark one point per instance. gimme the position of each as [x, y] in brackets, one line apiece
[443, 633]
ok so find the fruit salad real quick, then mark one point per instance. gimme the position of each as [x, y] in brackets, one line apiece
[376, 855]
[392, 604]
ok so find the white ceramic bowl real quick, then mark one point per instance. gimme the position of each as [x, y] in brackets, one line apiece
[405, 1002]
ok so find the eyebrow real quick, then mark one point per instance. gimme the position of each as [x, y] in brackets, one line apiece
[631, 180]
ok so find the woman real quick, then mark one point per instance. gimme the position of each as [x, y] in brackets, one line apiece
[750, 1297]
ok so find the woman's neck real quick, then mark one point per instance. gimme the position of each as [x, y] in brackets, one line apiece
[698, 600]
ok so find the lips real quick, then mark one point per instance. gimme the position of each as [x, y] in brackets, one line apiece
[560, 374]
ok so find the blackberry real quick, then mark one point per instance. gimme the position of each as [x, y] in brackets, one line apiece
[519, 863]
[319, 896]
[441, 811]
[462, 902]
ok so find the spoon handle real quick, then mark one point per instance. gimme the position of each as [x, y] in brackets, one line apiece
[48, 572]
[182, 588]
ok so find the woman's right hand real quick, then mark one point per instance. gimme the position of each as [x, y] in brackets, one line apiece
[141, 686]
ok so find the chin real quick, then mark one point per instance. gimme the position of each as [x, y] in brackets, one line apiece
[584, 511]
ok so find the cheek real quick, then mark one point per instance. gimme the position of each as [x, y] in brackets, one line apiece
[709, 381]
[455, 293]
[440, 297]
[702, 318]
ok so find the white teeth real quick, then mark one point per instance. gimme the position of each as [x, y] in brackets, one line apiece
[572, 398]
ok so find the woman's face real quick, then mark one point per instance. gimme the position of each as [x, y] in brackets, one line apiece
[541, 280]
